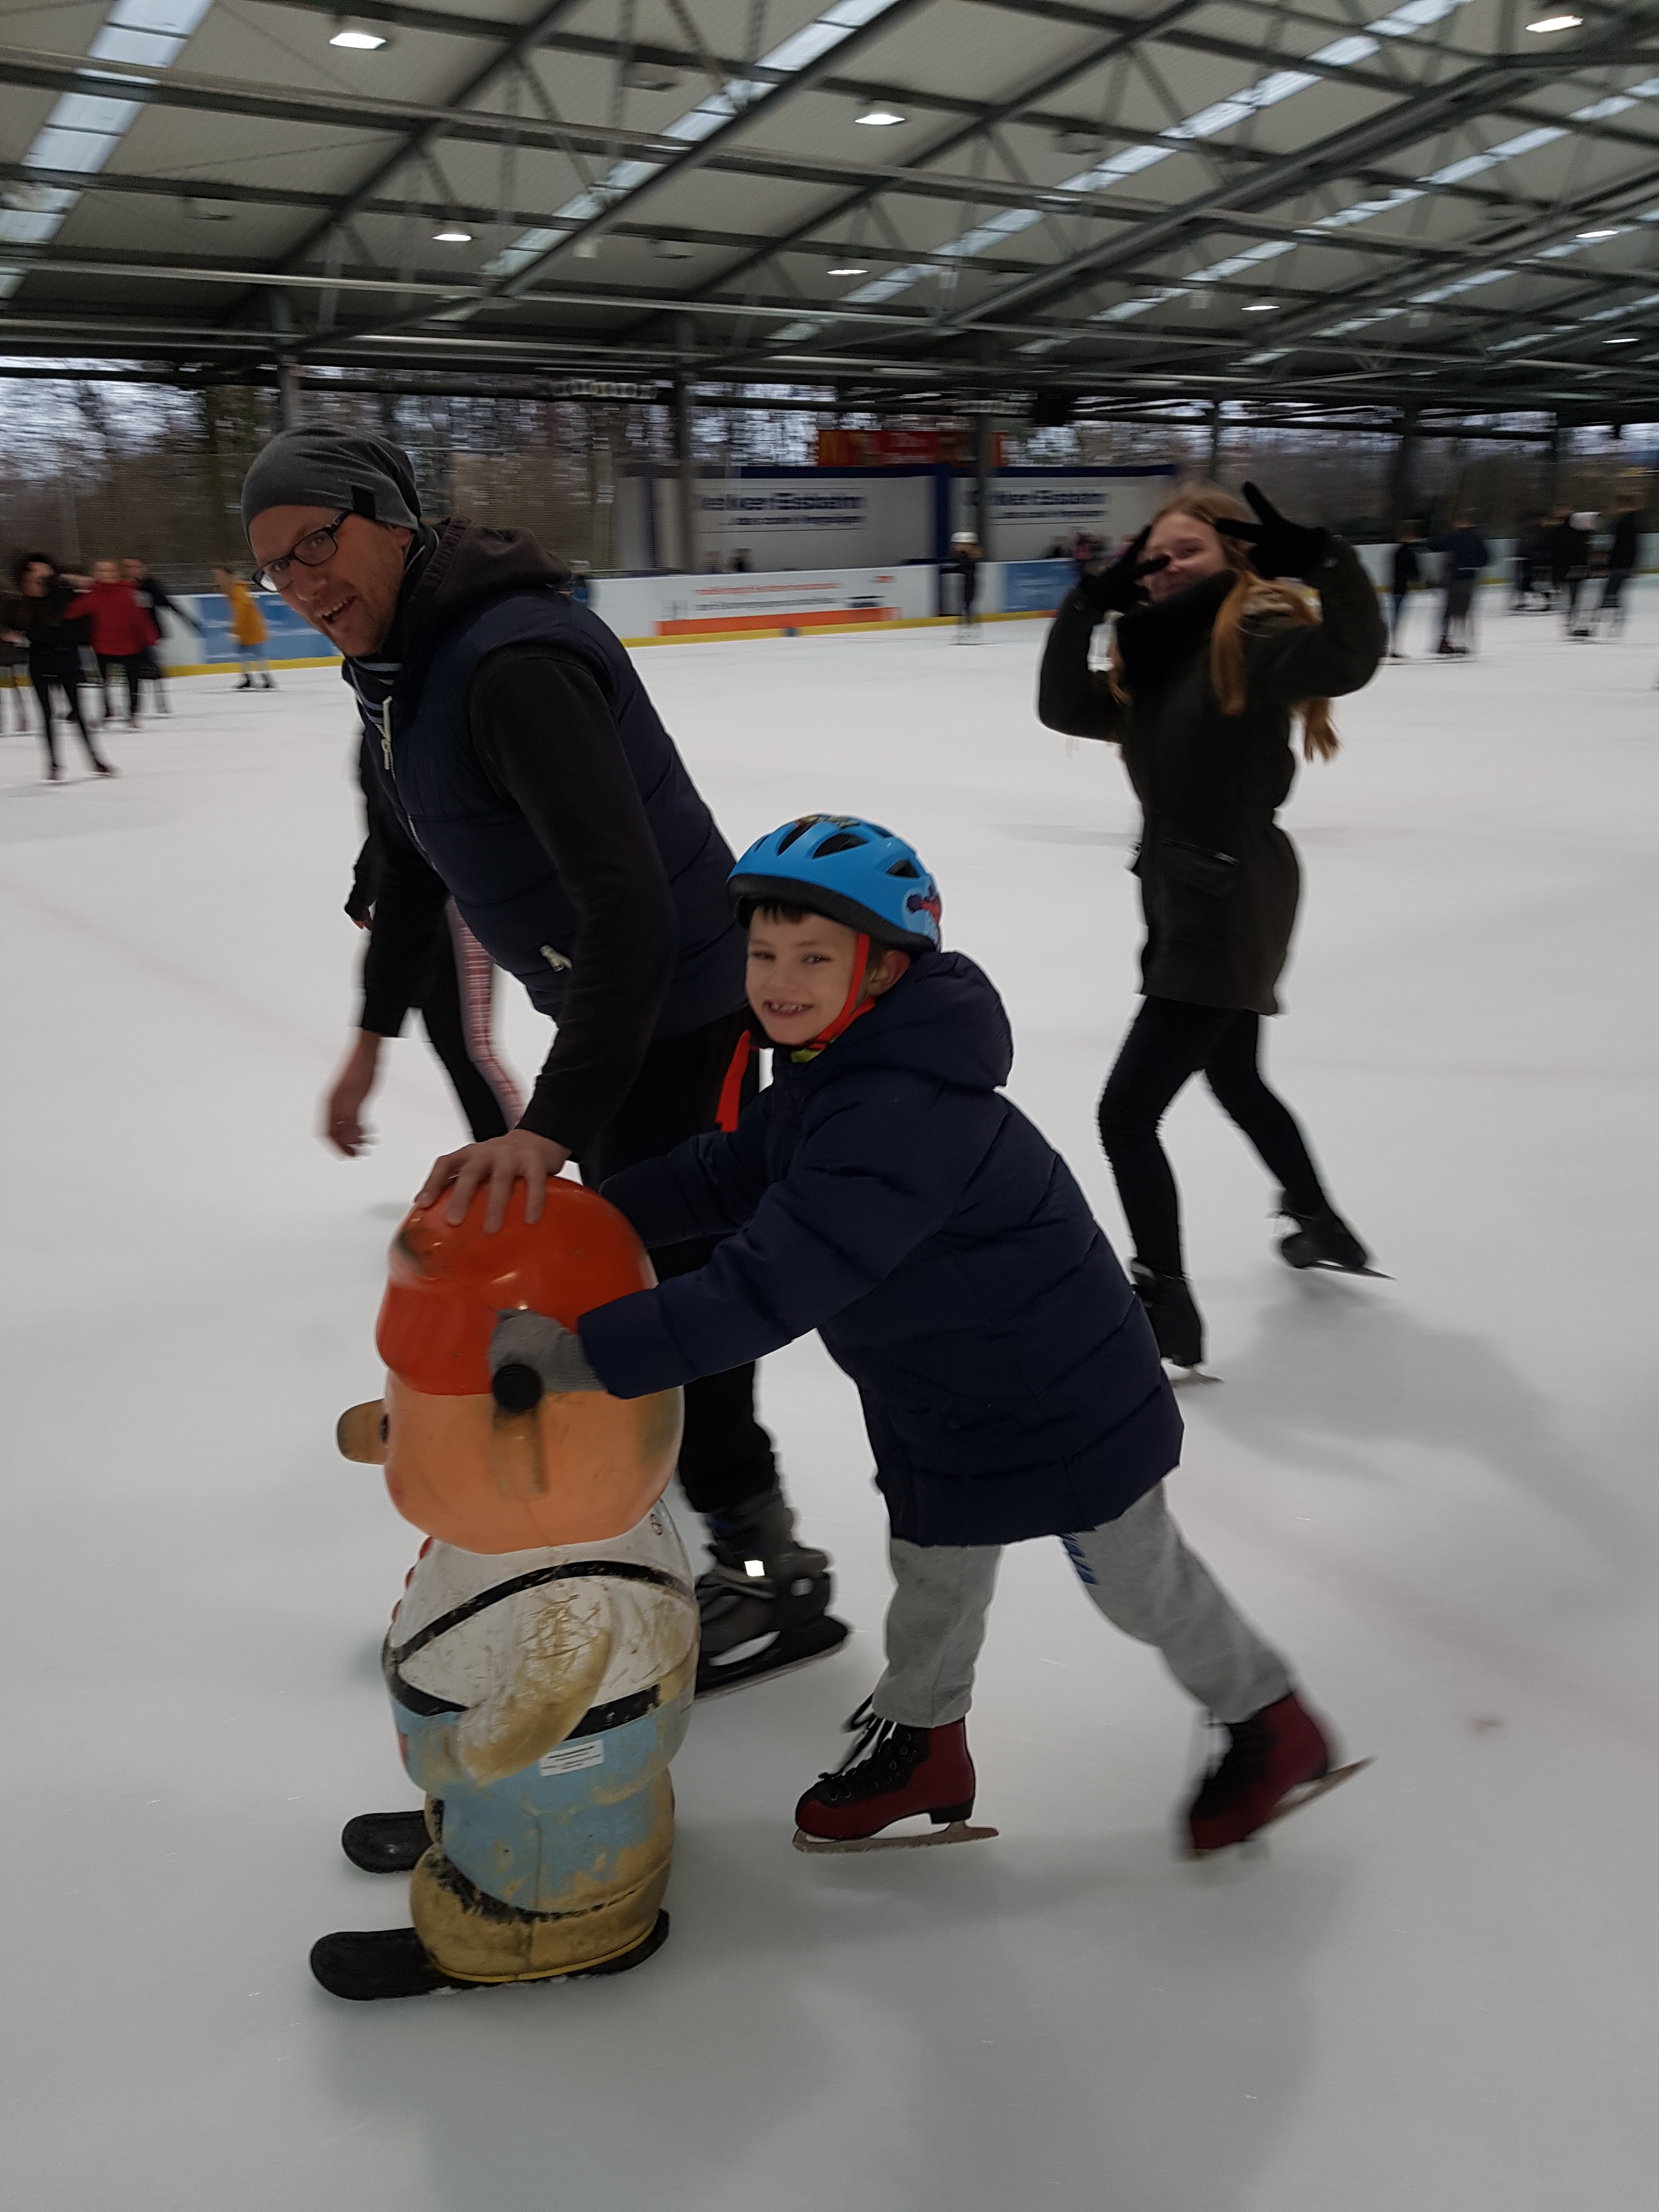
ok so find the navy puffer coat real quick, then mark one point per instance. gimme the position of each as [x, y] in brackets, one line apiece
[887, 1195]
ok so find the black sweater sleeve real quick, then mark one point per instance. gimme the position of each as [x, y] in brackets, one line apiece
[1071, 695]
[547, 738]
[409, 896]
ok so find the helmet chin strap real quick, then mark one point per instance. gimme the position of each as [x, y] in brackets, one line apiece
[853, 1004]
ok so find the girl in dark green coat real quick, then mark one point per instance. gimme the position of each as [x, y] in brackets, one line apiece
[1212, 661]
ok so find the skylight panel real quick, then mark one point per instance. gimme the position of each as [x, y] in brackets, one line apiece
[85, 128]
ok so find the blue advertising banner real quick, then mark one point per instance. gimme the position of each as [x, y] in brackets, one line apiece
[289, 636]
[1035, 587]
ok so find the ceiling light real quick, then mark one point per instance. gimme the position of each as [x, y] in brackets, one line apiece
[879, 118]
[453, 234]
[849, 270]
[359, 42]
[1629, 341]
[1260, 307]
[1587, 235]
[1556, 23]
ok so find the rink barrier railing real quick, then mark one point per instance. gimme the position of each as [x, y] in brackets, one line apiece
[725, 609]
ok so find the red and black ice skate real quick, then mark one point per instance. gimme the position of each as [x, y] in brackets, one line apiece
[1276, 1762]
[891, 1773]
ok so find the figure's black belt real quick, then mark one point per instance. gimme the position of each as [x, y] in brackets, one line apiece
[598, 1718]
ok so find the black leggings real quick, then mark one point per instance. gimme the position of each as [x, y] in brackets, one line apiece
[69, 686]
[1169, 1041]
[725, 1456]
[134, 667]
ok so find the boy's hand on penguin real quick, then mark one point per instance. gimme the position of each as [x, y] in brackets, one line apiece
[529, 1353]
[519, 1156]
[1277, 546]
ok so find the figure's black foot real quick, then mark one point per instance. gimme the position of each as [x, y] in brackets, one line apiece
[384, 1842]
[382, 1962]
[362, 1966]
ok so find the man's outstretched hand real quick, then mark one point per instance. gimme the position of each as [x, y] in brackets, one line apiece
[519, 1156]
[343, 1126]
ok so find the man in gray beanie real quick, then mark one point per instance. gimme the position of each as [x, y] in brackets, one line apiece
[513, 761]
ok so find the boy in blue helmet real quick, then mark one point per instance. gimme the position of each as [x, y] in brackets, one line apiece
[884, 1192]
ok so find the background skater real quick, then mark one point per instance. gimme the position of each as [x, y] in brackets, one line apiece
[1210, 660]
[518, 767]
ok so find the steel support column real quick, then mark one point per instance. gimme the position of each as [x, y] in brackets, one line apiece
[686, 467]
[984, 479]
[1400, 475]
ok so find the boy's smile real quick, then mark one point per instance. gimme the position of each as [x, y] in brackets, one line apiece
[800, 972]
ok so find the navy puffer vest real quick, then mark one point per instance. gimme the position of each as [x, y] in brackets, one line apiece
[499, 873]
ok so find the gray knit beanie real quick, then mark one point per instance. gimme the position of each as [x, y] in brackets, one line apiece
[316, 467]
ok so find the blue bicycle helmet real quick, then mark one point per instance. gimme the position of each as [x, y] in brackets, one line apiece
[854, 871]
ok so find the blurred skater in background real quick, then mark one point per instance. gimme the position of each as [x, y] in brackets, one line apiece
[1407, 575]
[247, 627]
[1623, 549]
[963, 565]
[54, 639]
[1570, 565]
[1212, 660]
[153, 597]
[120, 630]
[14, 667]
[1466, 555]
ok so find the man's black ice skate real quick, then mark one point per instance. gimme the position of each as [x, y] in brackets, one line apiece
[1324, 1240]
[385, 1843]
[765, 1600]
[1173, 1311]
[392, 1962]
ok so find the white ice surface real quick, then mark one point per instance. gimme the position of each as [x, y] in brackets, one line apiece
[1435, 1995]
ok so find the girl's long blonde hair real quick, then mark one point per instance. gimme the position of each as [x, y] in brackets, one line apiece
[1250, 595]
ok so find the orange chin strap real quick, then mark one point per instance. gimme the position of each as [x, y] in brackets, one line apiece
[851, 1007]
[730, 1098]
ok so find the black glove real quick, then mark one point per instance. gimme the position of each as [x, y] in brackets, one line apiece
[530, 1354]
[1116, 590]
[1277, 547]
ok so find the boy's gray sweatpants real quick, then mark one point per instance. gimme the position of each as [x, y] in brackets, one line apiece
[1137, 1570]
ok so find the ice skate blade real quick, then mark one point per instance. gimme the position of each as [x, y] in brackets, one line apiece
[1335, 1268]
[1190, 1378]
[1293, 1803]
[829, 1635]
[957, 1831]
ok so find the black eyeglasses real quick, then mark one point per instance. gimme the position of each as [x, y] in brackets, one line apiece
[313, 550]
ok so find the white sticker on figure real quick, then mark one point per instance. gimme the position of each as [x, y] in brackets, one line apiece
[571, 1758]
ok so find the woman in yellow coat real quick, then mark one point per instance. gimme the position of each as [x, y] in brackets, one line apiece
[247, 627]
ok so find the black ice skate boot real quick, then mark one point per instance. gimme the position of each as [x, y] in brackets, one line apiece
[1323, 1240]
[1172, 1308]
[765, 1601]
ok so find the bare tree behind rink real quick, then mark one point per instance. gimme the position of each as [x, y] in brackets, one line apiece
[93, 469]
